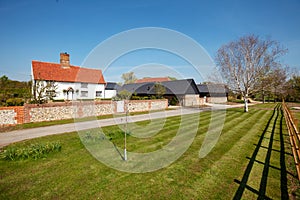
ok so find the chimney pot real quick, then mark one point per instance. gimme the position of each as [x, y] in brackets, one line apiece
[65, 60]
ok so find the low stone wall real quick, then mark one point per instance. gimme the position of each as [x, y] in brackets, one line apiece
[147, 105]
[158, 104]
[216, 99]
[49, 113]
[68, 110]
[11, 115]
[138, 106]
[192, 100]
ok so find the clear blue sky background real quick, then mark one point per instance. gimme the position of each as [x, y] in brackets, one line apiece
[40, 30]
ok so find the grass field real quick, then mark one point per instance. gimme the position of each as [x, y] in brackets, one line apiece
[251, 159]
[296, 113]
[65, 121]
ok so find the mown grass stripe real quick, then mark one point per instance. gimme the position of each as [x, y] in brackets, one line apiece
[166, 133]
[219, 171]
[264, 179]
[75, 174]
[239, 192]
[283, 171]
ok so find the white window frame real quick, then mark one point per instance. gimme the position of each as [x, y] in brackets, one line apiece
[84, 85]
[99, 92]
[84, 94]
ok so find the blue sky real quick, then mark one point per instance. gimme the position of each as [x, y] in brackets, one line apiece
[40, 30]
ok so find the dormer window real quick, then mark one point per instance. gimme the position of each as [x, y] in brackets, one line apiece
[84, 85]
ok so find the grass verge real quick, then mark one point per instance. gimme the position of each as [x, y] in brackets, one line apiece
[74, 174]
[65, 121]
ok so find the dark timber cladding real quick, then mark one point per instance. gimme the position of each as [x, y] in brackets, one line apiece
[212, 90]
[112, 86]
[177, 87]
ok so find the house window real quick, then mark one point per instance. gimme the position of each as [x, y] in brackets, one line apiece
[98, 93]
[51, 93]
[84, 85]
[84, 93]
[51, 84]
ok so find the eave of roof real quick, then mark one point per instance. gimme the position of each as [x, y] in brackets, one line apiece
[212, 88]
[54, 72]
[177, 87]
[155, 79]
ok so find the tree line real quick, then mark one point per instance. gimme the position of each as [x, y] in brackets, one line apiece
[251, 66]
[14, 93]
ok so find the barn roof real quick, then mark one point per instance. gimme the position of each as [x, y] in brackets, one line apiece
[177, 87]
[112, 86]
[155, 79]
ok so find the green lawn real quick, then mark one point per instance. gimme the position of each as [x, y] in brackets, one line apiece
[67, 121]
[252, 158]
[295, 113]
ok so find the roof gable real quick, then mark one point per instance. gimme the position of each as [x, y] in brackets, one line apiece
[212, 88]
[176, 87]
[54, 72]
[112, 86]
[184, 86]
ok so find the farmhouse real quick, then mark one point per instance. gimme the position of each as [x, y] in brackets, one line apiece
[63, 81]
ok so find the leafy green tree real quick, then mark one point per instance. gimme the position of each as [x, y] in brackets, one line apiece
[123, 95]
[4, 83]
[129, 77]
[160, 90]
[12, 92]
[172, 78]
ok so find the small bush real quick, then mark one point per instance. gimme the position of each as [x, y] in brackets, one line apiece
[34, 151]
[173, 101]
[15, 102]
[59, 100]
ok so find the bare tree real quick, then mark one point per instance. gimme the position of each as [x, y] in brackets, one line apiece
[44, 90]
[292, 88]
[272, 83]
[278, 78]
[244, 62]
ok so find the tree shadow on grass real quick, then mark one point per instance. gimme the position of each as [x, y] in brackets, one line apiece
[261, 193]
[120, 154]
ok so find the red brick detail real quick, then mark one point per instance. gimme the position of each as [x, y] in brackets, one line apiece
[20, 114]
[19, 110]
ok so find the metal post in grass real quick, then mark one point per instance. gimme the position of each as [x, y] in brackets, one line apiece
[126, 129]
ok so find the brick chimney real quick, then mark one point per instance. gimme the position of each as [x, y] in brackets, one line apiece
[65, 60]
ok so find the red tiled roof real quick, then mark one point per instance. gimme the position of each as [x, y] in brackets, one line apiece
[54, 72]
[157, 79]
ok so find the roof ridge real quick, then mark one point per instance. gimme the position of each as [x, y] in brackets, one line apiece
[54, 71]
[70, 65]
[58, 64]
